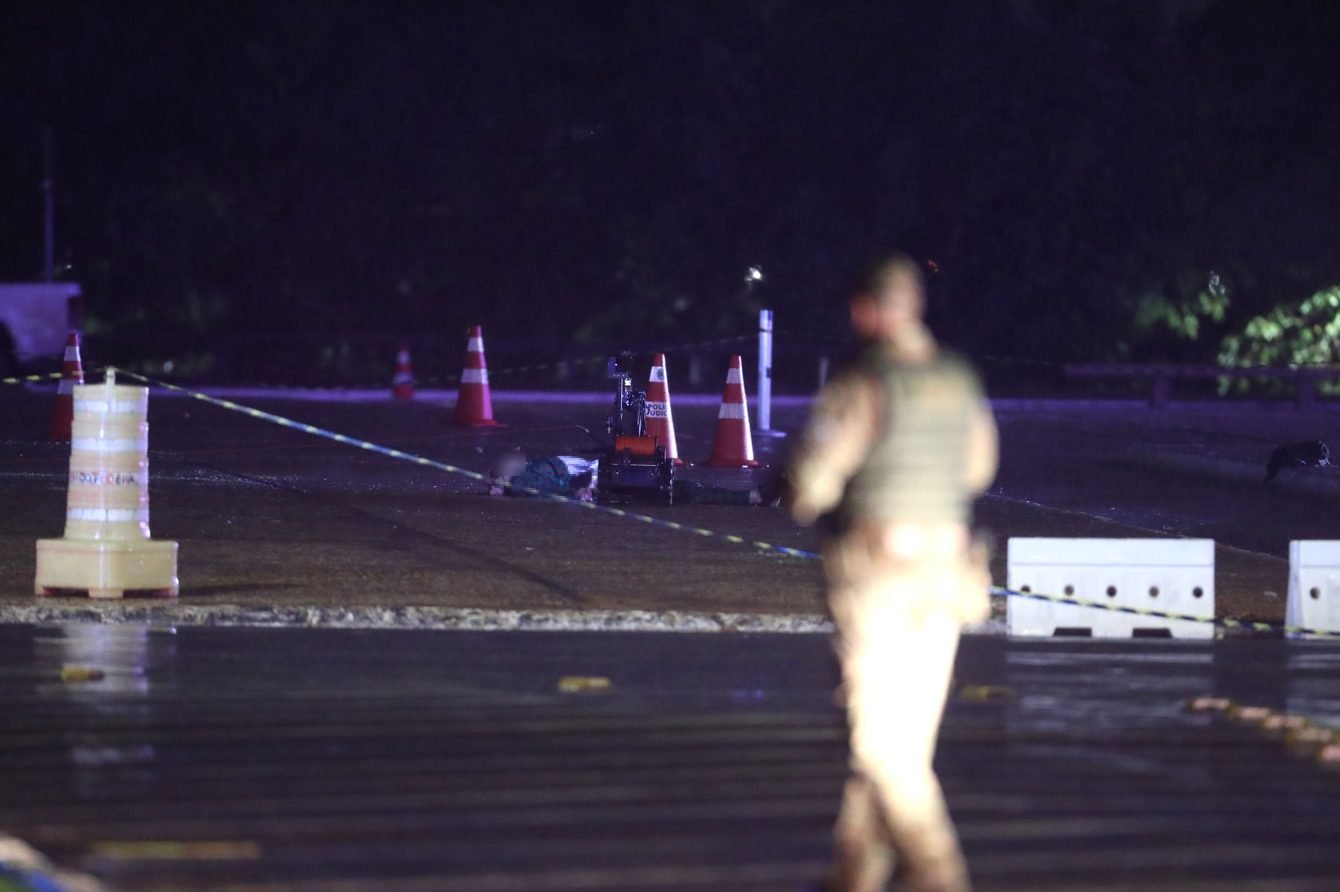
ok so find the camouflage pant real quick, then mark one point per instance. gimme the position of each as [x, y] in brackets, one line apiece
[899, 597]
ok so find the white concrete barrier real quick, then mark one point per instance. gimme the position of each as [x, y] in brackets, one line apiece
[1314, 585]
[1172, 575]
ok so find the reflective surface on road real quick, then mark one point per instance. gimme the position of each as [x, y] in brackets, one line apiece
[322, 759]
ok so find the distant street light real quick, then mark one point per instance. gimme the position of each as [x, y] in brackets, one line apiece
[753, 275]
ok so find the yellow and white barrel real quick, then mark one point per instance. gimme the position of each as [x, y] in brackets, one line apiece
[106, 550]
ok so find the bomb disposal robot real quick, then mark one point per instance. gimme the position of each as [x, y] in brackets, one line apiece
[636, 466]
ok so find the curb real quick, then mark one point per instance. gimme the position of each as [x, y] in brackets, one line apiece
[438, 618]
[432, 618]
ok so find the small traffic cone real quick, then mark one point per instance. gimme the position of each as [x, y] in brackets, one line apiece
[474, 405]
[660, 421]
[733, 446]
[71, 373]
[402, 382]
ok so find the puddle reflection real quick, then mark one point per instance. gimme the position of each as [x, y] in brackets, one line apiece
[107, 671]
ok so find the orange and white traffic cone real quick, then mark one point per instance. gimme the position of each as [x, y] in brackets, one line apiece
[402, 382]
[733, 446]
[474, 405]
[660, 420]
[71, 373]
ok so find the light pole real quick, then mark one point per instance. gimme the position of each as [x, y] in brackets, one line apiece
[752, 277]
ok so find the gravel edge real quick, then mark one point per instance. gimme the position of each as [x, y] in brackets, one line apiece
[438, 618]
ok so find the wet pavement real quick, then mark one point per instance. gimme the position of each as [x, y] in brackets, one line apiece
[225, 758]
[304, 759]
[270, 518]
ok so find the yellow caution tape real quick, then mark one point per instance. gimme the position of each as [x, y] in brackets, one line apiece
[455, 469]
[1224, 622]
[31, 379]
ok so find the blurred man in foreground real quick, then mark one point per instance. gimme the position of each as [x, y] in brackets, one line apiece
[899, 444]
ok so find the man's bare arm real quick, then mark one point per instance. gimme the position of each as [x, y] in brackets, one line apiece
[834, 443]
[983, 450]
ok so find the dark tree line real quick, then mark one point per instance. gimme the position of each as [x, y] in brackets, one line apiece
[597, 171]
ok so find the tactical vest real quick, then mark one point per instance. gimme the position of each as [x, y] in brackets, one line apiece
[915, 468]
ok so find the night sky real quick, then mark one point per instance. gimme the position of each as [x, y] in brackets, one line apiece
[580, 172]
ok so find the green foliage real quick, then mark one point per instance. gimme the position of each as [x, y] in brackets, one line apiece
[1288, 335]
[1184, 318]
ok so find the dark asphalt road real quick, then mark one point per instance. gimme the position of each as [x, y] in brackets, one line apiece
[321, 759]
[267, 515]
[270, 516]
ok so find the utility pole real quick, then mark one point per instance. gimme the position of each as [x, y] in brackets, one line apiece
[48, 211]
